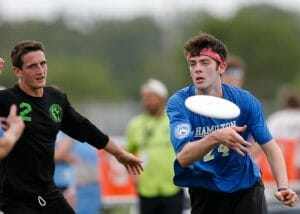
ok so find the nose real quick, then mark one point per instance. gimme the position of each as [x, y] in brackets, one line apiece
[198, 68]
[40, 68]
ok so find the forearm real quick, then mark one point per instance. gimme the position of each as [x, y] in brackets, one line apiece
[195, 150]
[277, 163]
[113, 148]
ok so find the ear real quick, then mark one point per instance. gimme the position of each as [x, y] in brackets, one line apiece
[17, 72]
[222, 67]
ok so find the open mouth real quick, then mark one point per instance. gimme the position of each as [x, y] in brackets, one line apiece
[200, 79]
[40, 78]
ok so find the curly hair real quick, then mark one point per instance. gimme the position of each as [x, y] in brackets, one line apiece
[194, 45]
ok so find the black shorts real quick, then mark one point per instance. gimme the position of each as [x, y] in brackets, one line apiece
[248, 201]
[163, 205]
[49, 203]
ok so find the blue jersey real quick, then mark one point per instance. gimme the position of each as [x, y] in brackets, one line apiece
[222, 169]
[1, 131]
[63, 174]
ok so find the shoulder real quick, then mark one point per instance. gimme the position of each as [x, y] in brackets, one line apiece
[54, 90]
[238, 95]
[137, 120]
[181, 95]
[6, 92]
[9, 96]
[54, 93]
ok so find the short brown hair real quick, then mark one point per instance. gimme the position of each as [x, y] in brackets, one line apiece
[23, 48]
[204, 40]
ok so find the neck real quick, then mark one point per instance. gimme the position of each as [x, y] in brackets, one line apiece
[157, 113]
[34, 92]
[214, 90]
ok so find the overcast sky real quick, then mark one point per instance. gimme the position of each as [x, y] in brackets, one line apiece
[45, 9]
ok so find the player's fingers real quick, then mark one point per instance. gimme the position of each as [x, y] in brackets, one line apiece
[243, 148]
[279, 196]
[238, 138]
[128, 169]
[139, 168]
[13, 110]
[238, 150]
[239, 128]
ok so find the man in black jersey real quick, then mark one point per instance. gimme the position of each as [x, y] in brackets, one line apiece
[26, 174]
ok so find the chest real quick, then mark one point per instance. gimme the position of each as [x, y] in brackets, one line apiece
[42, 116]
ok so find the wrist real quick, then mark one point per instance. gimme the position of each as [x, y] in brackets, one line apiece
[282, 189]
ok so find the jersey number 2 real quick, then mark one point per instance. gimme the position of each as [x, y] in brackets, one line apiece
[26, 109]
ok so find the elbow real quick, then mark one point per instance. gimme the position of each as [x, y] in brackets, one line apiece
[182, 161]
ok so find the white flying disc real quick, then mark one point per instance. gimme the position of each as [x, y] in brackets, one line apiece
[211, 106]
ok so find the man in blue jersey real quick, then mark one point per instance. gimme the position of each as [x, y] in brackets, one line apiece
[212, 154]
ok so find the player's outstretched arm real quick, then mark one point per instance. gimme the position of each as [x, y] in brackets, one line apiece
[277, 164]
[13, 126]
[132, 164]
[1, 65]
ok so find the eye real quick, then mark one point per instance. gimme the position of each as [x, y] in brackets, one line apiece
[205, 62]
[192, 63]
[32, 66]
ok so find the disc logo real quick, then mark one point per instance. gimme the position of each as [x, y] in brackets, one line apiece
[55, 112]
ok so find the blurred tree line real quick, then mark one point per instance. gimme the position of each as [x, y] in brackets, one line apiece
[109, 59]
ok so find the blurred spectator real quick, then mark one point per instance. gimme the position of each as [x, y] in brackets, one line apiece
[64, 175]
[76, 174]
[285, 123]
[88, 198]
[235, 71]
[148, 135]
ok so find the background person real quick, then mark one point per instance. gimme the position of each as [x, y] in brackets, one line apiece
[26, 173]
[86, 171]
[235, 71]
[212, 157]
[285, 123]
[148, 135]
[64, 172]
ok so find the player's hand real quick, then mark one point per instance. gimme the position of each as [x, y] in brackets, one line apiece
[14, 122]
[1, 65]
[287, 197]
[132, 164]
[230, 137]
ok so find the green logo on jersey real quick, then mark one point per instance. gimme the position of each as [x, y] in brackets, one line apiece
[55, 112]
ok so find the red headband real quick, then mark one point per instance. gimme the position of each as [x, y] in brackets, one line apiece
[210, 53]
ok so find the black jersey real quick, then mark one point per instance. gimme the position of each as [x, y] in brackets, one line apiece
[29, 167]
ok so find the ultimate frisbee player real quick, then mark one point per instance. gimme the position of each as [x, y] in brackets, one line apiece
[212, 157]
[26, 174]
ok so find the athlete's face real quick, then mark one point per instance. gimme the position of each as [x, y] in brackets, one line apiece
[32, 76]
[205, 73]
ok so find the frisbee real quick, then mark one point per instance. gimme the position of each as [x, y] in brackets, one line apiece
[211, 106]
